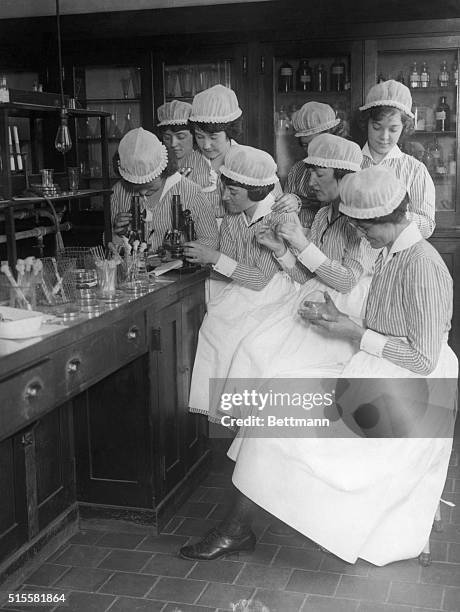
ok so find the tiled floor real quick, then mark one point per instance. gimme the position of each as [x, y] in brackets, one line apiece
[133, 572]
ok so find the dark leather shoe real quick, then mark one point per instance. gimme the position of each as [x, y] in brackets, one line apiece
[216, 544]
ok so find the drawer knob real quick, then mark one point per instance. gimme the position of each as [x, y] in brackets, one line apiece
[32, 390]
[133, 333]
[73, 365]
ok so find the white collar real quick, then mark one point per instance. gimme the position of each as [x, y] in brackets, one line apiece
[264, 208]
[407, 238]
[170, 182]
[394, 153]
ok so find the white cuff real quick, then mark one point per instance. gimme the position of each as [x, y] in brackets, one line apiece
[286, 261]
[225, 265]
[373, 342]
[312, 257]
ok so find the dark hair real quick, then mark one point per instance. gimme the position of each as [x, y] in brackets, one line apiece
[233, 129]
[255, 194]
[395, 216]
[377, 113]
[174, 128]
[172, 166]
[339, 173]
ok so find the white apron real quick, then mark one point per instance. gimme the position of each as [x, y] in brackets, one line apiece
[357, 497]
[232, 313]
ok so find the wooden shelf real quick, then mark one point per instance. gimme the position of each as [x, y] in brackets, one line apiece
[23, 109]
[110, 100]
[434, 133]
[314, 94]
[66, 195]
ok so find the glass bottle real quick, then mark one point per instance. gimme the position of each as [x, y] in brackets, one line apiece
[414, 77]
[4, 91]
[337, 80]
[137, 231]
[304, 77]
[320, 78]
[284, 122]
[428, 160]
[128, 125]
[443, 78]
[438, 158]
[285, 78]
[424, 76]
[452, 165]
[442, 115]
[400, 78]
[455, 73]
[114, 130]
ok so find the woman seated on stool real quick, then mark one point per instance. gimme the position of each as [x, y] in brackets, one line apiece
[357, 495]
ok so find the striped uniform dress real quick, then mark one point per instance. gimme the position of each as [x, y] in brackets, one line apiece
[297, 182]
[158, 218]
[372, 497]
[253, 280]
[418, 182]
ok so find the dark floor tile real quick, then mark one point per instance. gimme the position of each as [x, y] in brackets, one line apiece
[121, 540]
[168, 565]
[449, 486]
[380, 607]
[125, 560]
[263, 554]
[447, 574]
[79, 555]
[279, 601]
[428, 595]
[331, 563]
[195, 509]
[402, 571]
[298, 558]
[219, 512]
[172, 525]
[264, 577]
[195, 526]
[87, 536]
[450, 532]
[198, 494]
[181, 590]
[223, 595]
[163, 543]
[356, 587]
[439, 550]
[453, 555]
[318, 603]
[451, 599]
[83, 579]
[87, 602]
[217, 479]
[186, 608]
[297, 539]
[318, 583]
[216, 495]
[133, 604]
[223, 571]
[126, 583]
[46, 574]
[52, 558]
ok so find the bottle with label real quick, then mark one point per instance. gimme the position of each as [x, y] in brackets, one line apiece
[438, 158]
[4, 91]
[455, 73]
[285, 78]
[424, 76]
[414, 77]
[428, 160]
[284, 123]
[442, 115]
[443, 78]
[337, 81]
[320, 78]
[304, 76]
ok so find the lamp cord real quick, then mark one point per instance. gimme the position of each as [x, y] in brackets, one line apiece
[61, 85]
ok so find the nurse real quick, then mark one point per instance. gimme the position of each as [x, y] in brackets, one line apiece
[373, 498]
[147, 170]
[312, 119]
[176, 134]
[385, 117]
[251, 277]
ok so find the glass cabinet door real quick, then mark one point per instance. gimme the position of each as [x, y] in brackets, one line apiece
[183, 81]
[432, 76]
[298, 80]
[113, 89]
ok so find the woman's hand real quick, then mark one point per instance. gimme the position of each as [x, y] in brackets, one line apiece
[267, 237]
[337, 323]
[121, 222]
[294, 234]
[198, 253]
[287, 203]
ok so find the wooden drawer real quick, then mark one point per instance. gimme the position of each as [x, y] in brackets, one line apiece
[83, 363]
[26, 396]
[130, 338]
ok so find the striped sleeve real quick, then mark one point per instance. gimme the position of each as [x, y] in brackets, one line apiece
[422, 201]
[120, 200]
[203, 216]
[425, 308]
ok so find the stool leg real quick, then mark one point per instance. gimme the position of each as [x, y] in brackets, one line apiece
[437, 523]
[424, 557]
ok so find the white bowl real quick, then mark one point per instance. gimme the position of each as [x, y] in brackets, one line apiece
[19, 323]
